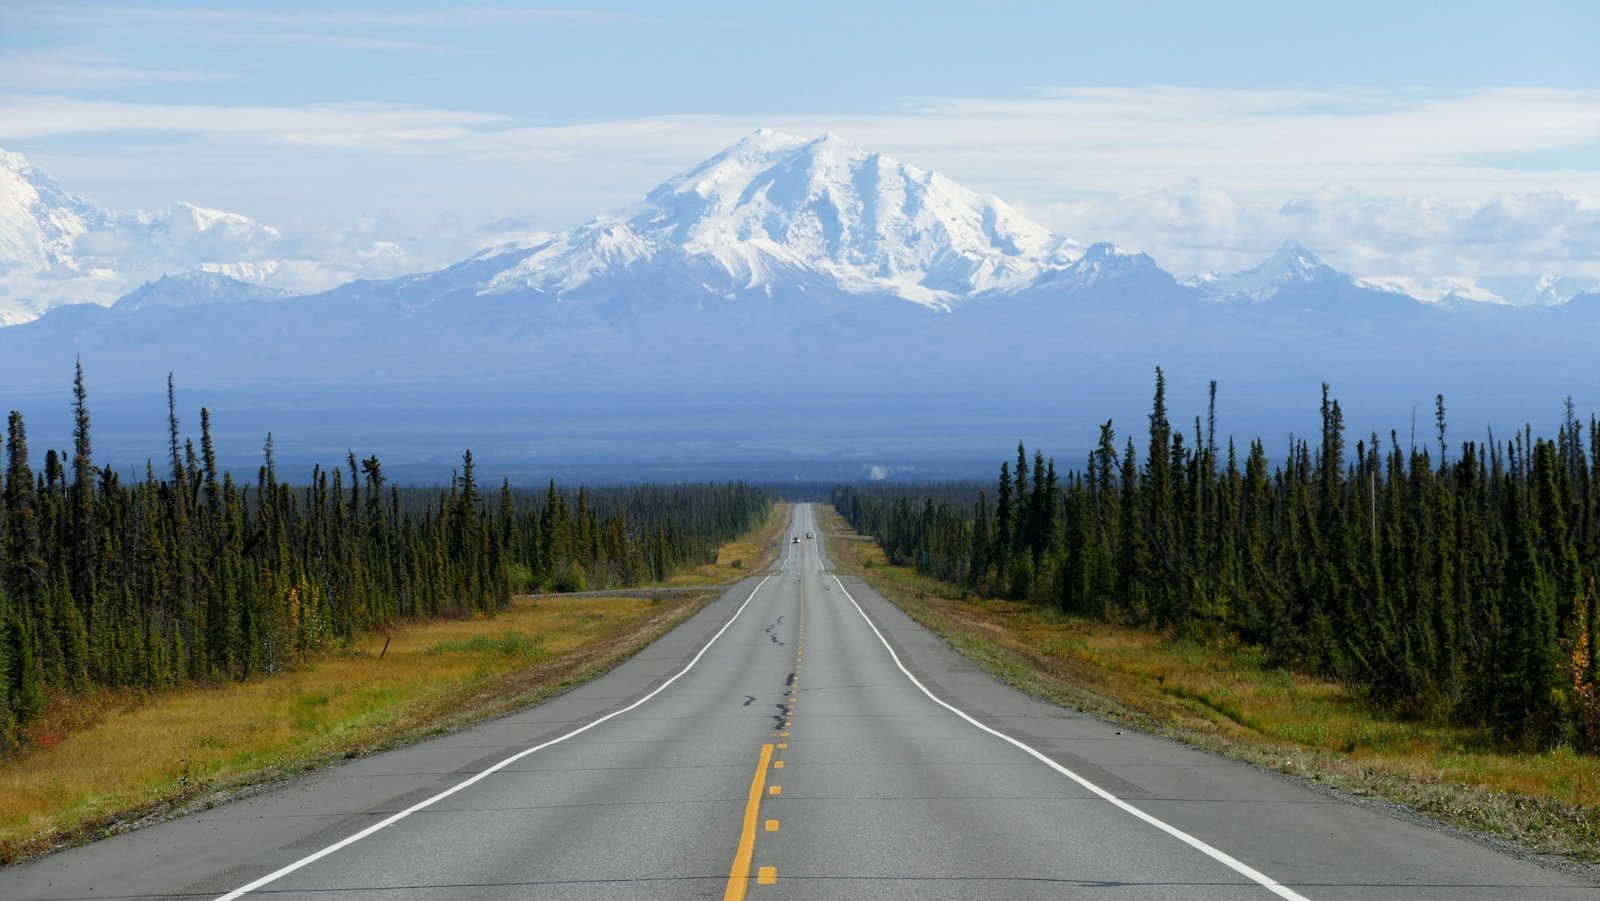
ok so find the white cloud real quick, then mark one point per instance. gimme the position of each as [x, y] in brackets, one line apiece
[1069, 141]
[1380, 182]
[1194, 227]
[72, 68]
[1094, 139]
[326, 29]
[325, 41]
[116, 252]
[1253, 141]
[57, 69]
[389, 127]
[112, 16]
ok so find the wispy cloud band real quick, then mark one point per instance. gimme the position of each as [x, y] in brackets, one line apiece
[1494, 180]
[113, 16]
[1086, 139]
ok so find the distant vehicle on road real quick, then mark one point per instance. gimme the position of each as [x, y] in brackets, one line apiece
[797, 539]
[808, 535]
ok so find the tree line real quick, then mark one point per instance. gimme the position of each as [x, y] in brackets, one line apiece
[1453, 584]
[190, 575]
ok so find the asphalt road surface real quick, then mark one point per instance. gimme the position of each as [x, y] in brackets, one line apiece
[798, 738]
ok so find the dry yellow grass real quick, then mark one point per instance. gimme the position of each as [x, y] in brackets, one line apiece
[1223, 696]
[117, 753]
[101, 762]
[739, 557]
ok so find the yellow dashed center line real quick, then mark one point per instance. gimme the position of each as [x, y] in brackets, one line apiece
[739, 875]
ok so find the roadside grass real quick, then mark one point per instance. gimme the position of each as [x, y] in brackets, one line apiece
[1223, 696]
[740, 557]
[109, 759]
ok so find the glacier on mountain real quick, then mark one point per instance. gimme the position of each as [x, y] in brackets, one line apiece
[195, 288]
[774, 205]
[1291, 266]
[917, 318]
[59, 248]
[772, 216]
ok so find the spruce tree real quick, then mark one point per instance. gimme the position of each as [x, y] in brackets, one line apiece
[1004, 525]
[8, 691]
[25, 570]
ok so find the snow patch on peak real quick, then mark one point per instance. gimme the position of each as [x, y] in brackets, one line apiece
[203, 218]
[39, 221]
[1106, 264]
[1293, 261]
[58, 248]
[1105, 250]
[195, 288]
[1433, 290]
[1291, 265]
[1505, 290]
[570, 260]
[1541, 290]
[774, 203]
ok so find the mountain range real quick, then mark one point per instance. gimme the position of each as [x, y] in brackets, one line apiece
[896, 313]
[773, 211]
[59, 248]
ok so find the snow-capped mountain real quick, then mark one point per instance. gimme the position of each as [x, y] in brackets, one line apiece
[1294, 277]
[1542, 290]
[194, 288]
[39, 221]
[1106, 267]
[57, 247]
[1291, 267]
[833, 294]
[40, 224]
[1512, 290]
[776, 208]
[1433, 290]
[774, 214]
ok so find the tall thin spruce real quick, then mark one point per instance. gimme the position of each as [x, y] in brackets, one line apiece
[1452, 583]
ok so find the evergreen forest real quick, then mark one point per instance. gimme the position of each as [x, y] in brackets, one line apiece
[191, 575]
[1455, 584]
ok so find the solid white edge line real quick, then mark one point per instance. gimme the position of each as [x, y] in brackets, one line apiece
[313, 858]
[1222, 857]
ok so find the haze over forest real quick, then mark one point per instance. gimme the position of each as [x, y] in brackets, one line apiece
[848, 284]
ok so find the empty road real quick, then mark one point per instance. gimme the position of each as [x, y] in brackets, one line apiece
[798, 738]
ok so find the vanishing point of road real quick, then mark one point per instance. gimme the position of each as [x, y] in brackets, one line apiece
[800, 737]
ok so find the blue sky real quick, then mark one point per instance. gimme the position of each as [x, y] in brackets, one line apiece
[1395, 138]
[636, 59]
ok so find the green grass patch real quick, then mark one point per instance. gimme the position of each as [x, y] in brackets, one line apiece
[511, 644]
